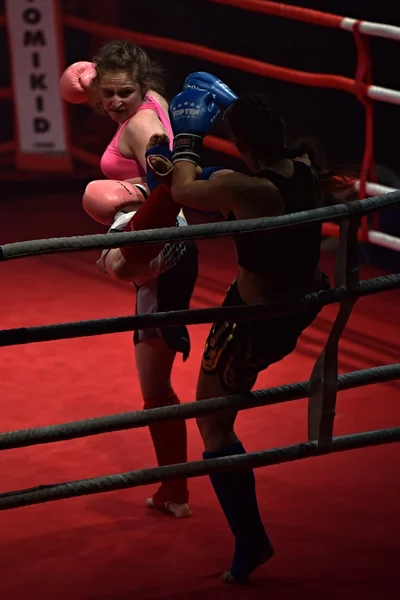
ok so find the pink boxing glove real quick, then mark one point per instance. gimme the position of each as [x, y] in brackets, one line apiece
[75, 82]
[104, 198]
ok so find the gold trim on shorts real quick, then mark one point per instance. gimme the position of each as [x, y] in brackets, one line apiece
[218, 340]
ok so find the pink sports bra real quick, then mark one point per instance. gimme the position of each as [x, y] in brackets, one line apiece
[116, 166]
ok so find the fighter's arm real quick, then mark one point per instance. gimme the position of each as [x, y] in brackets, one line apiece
[227, 192]
[141, 127]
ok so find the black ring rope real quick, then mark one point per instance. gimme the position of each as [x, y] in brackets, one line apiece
[120, 481]
[348, 289]
[62, 331]
[189, 410]
[337, 212]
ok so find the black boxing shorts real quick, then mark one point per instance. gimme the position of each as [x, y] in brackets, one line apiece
[171, 290]
[238, 352]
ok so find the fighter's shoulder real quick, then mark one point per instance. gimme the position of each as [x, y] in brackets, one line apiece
[145, 122]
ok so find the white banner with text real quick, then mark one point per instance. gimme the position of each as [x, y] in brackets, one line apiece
[36, 56]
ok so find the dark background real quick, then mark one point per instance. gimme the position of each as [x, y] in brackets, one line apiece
[335, 118]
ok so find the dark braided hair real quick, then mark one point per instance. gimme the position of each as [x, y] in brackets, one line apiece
[257, 125]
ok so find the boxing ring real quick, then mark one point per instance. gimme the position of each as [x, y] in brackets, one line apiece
[352, 223]
[321, 389]
[361, 86]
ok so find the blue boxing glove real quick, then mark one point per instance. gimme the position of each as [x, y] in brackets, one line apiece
[192, 114]
[222, 94]
[153, 176]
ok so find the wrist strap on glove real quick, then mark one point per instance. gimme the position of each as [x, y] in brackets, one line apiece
[188, 147]
[153, 177]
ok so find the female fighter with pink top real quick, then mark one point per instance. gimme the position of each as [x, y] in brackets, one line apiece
[123, 82]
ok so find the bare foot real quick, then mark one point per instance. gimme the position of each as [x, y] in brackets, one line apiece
[244, 563]
[180, 511]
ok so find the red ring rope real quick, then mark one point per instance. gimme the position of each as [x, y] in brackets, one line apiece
[359, 86]
[286, 11]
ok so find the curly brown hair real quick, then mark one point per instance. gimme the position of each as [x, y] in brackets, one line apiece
[120, 56]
